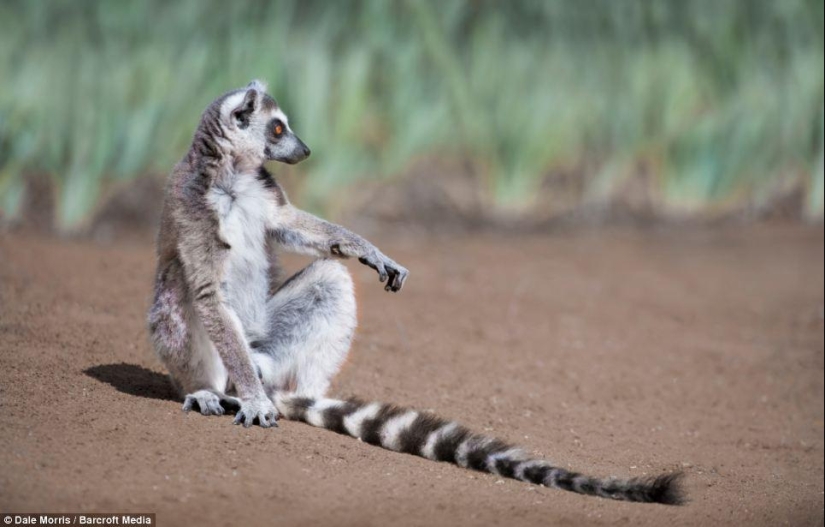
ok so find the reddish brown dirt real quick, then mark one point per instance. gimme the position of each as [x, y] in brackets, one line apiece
[615, 353]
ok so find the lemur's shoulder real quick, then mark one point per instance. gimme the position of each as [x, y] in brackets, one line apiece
[186, 217]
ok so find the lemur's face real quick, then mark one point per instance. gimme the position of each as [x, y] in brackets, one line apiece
[258, 130]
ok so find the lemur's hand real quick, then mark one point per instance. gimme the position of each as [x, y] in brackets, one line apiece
[261, 409]
[388, 271]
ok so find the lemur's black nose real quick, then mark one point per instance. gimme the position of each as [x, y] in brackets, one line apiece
[307, 151]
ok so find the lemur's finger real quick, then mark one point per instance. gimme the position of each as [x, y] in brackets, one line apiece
[392, 277]
[215, 408]
[187, 404]
[271, 420]
[238, 417]
[397, 282]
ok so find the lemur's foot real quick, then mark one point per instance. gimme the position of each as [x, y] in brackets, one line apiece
[261, 410]
[208, 403]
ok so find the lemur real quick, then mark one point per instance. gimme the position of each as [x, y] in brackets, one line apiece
[232, 336]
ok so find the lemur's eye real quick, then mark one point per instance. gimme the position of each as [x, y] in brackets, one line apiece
[278, 129]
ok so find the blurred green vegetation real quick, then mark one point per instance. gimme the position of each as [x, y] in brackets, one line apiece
[720, 101]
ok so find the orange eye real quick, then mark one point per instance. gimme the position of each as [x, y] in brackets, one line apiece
[279, 129]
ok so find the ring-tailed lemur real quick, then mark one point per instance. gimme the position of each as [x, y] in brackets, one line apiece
[231, 335]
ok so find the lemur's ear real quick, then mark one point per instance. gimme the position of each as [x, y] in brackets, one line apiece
[242, 113]
[257, 85]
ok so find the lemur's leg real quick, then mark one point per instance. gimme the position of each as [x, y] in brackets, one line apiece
[182, 345]
[313, 318]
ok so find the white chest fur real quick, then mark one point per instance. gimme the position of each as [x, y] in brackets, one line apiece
[243, 207]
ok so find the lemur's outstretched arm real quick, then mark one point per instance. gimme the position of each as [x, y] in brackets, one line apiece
[302, 232]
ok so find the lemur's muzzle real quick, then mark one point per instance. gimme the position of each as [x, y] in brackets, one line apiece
[290, 150]
[305, 151]
[298, 150]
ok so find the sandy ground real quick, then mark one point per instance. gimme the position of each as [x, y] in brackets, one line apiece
[615, 353]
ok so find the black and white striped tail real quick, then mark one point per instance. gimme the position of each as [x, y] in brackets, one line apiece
[426, 435]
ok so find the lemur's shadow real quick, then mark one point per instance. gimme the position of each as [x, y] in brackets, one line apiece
[134, 380]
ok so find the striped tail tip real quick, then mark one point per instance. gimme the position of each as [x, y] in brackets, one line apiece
[432, 437]
[667, 489]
